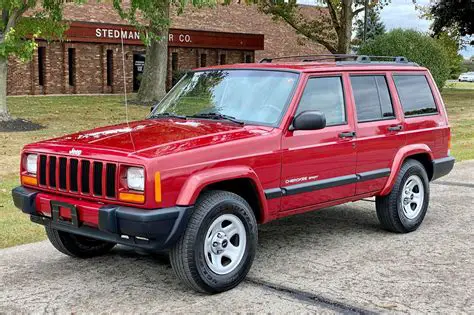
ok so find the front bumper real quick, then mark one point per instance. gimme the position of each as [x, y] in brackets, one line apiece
[148, 229]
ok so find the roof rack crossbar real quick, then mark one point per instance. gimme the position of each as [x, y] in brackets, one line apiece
[339, 57]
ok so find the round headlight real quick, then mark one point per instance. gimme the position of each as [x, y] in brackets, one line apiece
[31, 163]
[136, 178]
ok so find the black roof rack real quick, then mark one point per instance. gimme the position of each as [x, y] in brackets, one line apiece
[344, 58]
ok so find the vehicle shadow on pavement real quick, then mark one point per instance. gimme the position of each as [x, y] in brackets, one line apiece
[323, 231]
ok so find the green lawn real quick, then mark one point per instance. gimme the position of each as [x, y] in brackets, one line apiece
[65, 114]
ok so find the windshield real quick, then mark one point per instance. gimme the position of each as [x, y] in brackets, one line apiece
[252, 96]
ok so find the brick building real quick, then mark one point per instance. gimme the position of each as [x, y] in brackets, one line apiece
[90, 59]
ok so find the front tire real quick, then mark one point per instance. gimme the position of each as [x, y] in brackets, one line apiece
[76, 245]
[404, 209]
[217, 249]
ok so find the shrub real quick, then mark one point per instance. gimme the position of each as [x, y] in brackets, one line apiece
[415, 46]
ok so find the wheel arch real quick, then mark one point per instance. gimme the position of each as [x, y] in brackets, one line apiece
[420, 152]
[241, 180]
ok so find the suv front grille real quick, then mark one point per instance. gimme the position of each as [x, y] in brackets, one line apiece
[79, 176]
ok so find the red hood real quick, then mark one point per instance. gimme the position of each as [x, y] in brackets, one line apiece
[158, 136]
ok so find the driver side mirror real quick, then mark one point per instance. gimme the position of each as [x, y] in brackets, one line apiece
[309, 120]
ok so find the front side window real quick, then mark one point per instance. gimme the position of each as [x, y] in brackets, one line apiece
[252, 96]
[415, 95]
[324, 94]
[372, 98]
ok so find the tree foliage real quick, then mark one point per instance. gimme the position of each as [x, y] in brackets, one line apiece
[375, 26]
[416, 46]
[330, 26]
[449, 13]
[18, 33]
[451, 46]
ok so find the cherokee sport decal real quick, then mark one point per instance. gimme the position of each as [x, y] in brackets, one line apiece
[301, 179]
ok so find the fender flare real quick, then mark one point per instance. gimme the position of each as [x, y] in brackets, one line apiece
[400, 157]
[197, 182]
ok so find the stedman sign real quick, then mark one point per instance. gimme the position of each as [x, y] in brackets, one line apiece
[110, 33]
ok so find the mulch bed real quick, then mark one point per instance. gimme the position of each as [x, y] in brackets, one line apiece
[18, 125]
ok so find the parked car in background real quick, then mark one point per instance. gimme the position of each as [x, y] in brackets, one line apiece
[466, 77]
[231, 146]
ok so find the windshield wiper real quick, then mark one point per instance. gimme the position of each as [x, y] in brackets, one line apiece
[218, 116]
[168, 115]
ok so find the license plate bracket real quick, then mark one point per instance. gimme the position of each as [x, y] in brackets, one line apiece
[56, 216]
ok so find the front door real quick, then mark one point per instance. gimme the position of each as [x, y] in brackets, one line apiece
[138, 67]
[319, 165]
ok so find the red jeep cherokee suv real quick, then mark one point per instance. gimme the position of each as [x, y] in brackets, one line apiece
[235, 145]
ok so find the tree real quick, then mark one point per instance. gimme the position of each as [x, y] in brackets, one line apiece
[375, 27]
[416, 46]
[331, 27]
[151, 17]
[449, 13]
[451, 46]
[18, 34]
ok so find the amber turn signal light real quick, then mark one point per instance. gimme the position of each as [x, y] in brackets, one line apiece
[29, 180]
[157, 187]
[129, 197]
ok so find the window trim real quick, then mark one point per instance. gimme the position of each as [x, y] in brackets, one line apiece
[344, 98]
[384, 75]
[419, 74]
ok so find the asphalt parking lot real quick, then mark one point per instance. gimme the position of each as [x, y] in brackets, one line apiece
[335, 260]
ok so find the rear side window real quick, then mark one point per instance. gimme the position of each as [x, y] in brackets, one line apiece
[324, 94]
[415, 95]
[372, 98]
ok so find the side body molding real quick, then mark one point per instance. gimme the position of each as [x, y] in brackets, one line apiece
[400, 157]
[198, 181]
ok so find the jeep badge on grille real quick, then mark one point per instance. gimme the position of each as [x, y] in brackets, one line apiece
[75, 152]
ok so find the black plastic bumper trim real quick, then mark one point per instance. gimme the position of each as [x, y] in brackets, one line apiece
[24, 199]
[149, 229]
[442, 167]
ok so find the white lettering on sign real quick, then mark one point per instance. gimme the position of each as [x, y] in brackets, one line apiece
[110, 33]
[182, 38]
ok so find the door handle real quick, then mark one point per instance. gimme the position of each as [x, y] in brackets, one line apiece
[349, 134]
[395, 128]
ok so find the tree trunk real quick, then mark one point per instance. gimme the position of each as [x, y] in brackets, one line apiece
[344, 35]
[4, 115]
[153, 82]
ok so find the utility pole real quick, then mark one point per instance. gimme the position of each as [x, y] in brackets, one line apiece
[366, 4]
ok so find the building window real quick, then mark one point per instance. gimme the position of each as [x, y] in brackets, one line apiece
[71, 60]
[248, 58]
[110, 67]
[203, 60]
[41, 64]
[174, 61]
[222, 60]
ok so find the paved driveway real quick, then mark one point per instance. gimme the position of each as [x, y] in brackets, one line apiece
[334, 260]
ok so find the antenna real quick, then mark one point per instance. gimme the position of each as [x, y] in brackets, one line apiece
[125, 91]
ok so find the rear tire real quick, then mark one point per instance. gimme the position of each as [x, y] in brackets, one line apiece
[217, 249]
[76, 245]
[404, 208]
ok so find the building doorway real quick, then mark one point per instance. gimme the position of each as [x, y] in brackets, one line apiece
[138, 67]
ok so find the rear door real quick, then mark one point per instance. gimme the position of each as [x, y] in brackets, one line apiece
[319, 165]
[379, 128]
